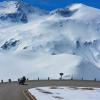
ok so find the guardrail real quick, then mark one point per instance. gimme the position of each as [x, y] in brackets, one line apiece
[48, 78]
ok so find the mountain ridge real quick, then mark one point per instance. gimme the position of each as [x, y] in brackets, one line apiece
[69, 32]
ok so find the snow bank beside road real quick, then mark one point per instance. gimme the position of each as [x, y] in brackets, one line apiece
[65, 93]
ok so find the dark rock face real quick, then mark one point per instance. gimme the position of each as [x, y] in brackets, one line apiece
[24, 18]
[10, 44]
[15, 17]
[19, 16]
[3, 17]
[64, 12]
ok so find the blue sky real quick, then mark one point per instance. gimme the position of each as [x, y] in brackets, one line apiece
[53, 4]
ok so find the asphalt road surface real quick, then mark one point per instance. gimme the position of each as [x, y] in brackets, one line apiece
[13, 91]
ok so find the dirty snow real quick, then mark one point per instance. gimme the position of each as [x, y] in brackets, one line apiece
[65, 93]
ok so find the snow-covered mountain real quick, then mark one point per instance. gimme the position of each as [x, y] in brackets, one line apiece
[18, 11]
[41, 43]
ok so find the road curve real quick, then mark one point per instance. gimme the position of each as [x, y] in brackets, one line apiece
[13, 91]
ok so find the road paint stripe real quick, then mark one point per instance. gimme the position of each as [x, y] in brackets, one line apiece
[28, 95]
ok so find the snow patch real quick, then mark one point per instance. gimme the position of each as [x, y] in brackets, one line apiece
[8, 7]
[75, 6]
[65, 93]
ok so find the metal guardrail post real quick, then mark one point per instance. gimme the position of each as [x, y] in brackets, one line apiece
[1, 81]
[9, 80]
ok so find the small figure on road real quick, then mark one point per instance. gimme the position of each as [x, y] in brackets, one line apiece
[22, 80]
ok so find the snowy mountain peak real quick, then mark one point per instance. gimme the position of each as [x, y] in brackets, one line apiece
[15, 12]
[78, 11]
[76, 6]
[19, 11]
[69, 10]
[4, 6]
